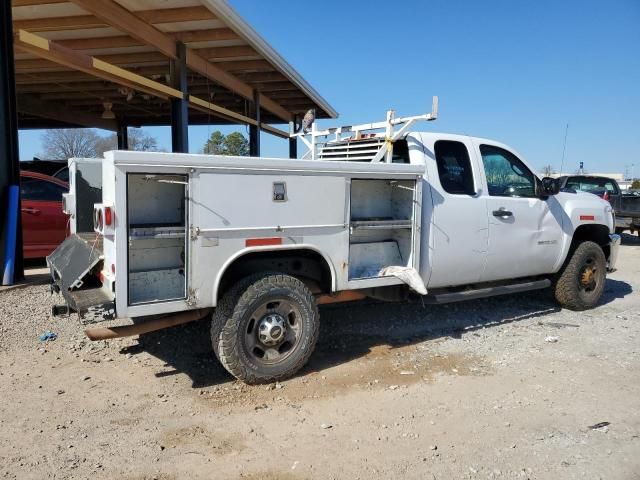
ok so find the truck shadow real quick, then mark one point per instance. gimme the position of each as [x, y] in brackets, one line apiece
[349, 332]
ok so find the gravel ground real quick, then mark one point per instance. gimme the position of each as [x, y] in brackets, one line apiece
[510, 387]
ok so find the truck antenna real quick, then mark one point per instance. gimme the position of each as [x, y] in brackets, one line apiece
[564, 147]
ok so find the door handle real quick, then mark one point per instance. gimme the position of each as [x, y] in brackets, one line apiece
[32, 211]
[502, 213]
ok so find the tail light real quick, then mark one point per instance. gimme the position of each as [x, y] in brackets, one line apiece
[108, 216]
[98, 221]
[103, 218]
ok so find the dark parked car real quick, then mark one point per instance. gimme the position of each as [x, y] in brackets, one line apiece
[54, 168]
[44, 225]
[625, 205]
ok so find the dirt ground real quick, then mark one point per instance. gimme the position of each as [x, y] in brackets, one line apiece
[510, 387]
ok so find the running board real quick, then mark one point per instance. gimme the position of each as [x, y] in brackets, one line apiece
[487, 292]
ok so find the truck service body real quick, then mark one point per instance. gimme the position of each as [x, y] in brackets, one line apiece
[260, 241]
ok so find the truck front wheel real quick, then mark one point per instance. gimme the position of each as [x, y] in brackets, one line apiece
[581, 282]
[270, 330]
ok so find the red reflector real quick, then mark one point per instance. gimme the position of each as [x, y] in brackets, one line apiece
[113, 269]
[587, 217]
[108, 216]
[259, 242]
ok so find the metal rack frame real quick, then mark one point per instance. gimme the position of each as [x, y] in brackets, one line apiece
[384, 152]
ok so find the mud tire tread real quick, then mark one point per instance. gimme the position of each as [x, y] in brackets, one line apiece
[240, 298]
[566, 287]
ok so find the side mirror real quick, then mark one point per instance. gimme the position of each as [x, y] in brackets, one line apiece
[548, 186]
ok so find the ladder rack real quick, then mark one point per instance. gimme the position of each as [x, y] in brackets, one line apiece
[351, 143]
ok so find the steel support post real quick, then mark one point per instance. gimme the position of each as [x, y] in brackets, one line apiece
[9, 153]
[293, 141]
[123, 137]
[254, 130]
[180, 107]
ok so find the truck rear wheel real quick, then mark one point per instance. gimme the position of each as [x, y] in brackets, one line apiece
[271, 328]
[581, 282]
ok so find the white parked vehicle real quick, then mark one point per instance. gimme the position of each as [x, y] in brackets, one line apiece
[261, 242]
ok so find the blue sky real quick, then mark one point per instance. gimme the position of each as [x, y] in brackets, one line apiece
[513, 71]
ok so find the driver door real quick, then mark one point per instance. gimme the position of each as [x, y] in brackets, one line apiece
[525, 231]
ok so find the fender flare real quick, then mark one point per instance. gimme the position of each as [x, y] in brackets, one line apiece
[247, 251]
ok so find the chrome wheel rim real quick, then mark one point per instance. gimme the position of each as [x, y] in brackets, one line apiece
[588, 278]
[273, 331]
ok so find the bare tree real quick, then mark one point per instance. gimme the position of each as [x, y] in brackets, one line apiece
[65, 143]
[548, 170]
[138, 140]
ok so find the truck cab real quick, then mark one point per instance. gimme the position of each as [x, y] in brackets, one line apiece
[486, 217]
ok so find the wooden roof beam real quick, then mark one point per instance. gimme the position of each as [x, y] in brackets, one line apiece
[227, 52]
[211, 35]
[147, 17]
[49, 50]
[71, 76]
[132, 24]
[31, 3]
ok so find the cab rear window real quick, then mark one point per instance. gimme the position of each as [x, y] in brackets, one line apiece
[454, 167]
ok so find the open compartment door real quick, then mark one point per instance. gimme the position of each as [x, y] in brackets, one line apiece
[384, 231]
[157, 237]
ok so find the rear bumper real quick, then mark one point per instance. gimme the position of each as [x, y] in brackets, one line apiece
[92, 305]
[614, 248]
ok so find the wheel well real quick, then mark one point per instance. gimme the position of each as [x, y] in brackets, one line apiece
[307, 265]
[594, 233]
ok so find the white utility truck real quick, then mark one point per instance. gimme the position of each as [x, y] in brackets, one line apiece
[258, 243]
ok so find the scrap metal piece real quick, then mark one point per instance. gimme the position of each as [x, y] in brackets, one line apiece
[72, 261]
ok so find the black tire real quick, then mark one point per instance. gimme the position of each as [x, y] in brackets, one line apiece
[271, 329]
[581, 282]
[223, 311]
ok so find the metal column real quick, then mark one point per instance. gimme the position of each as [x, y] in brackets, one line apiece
[254, 130]
[123, 137]
[180, 107]
[293, 141]
[9, 154]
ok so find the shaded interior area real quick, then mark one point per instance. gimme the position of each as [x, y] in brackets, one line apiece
[382, 226]
[156, 225]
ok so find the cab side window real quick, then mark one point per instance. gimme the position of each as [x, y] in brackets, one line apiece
[506, 175]
[454, 167]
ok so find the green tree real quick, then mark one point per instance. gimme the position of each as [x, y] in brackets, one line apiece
[635, 184]
[233, 144]
[215, 144]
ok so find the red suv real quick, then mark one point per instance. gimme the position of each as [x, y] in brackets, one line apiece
[44, 225]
